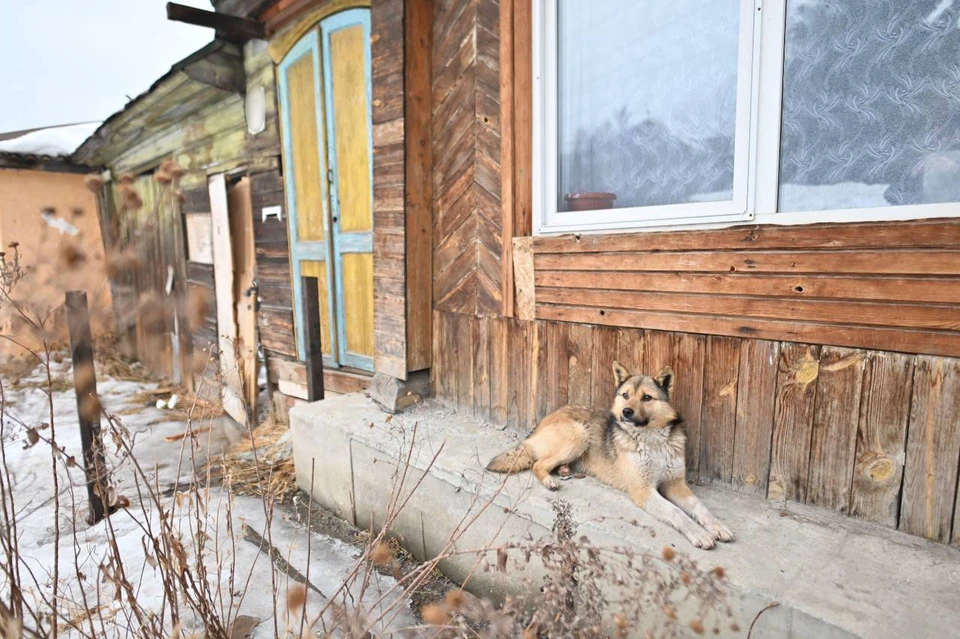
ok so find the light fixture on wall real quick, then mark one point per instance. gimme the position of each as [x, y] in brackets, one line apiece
[255, 109]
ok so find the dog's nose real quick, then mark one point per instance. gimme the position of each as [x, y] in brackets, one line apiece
[627, 413]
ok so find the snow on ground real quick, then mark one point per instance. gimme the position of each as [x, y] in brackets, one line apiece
[244, 567]
[55, 141]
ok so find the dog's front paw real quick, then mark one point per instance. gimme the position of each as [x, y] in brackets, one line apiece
[551, 484]
[700, 537]
[719, 531]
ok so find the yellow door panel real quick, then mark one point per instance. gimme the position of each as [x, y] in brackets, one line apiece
[347, 63]
[358, 302]
[304, 140]
[319, 271]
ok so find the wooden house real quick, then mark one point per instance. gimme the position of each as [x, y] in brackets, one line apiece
[511, 194]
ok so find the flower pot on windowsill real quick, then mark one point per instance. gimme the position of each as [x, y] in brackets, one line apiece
[589, 201]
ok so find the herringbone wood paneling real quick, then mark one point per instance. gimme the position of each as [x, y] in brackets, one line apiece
[468, 241]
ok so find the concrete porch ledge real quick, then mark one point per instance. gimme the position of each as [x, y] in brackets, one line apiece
[833, 576]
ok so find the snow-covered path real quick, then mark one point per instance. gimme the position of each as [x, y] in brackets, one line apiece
[236, 560]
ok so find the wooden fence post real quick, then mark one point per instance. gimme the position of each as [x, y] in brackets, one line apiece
[310, 320]
[88, 403]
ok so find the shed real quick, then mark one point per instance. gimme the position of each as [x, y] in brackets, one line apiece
[51, 215]
[188, 176]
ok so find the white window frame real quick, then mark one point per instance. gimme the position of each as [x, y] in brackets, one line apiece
[757, 145]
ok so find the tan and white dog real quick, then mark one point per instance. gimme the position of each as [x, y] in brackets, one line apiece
[637, 446]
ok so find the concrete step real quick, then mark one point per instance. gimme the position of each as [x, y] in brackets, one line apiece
[832, 576]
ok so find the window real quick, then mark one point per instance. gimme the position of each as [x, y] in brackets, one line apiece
[654, 114]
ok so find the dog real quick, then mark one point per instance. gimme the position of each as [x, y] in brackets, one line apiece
[637, 446]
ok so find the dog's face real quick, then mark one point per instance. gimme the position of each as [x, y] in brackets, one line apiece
[642, 401]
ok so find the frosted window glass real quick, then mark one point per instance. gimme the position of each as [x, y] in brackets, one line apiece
[871, 104]
[647, 100]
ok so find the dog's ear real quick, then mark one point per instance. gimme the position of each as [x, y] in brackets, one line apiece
[620, 374]
[664, 380]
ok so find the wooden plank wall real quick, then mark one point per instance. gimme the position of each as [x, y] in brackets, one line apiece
[389, 227]
[467, 225]
[273, 268]
[201, 126]
[151, 238]
[894, 286]
[839, 428]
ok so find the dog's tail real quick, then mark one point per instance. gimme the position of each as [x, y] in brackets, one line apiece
[514, 460]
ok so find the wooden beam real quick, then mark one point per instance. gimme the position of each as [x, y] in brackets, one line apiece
[920, 234]
[88, 402]
[230, 26]
[418, 153]
[221, 70]
[507, 159]
[523, 117]
[313, 346]
[523, 277]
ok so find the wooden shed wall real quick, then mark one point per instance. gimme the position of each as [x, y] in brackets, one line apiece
[212, 138]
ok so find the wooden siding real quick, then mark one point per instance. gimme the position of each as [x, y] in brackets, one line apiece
[834, 427]
[191, 117]
[889, 285]
[389, 231]
[466, 155]
[275, 316]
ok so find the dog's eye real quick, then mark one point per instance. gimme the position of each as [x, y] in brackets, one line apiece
[647, 398]
[626, 395]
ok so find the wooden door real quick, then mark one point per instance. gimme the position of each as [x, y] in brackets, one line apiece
[231, 391]
[325, 99]
[347, 84]
[305, 182]
[244, 301]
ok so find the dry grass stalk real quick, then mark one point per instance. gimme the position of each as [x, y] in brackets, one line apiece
[244, 471]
